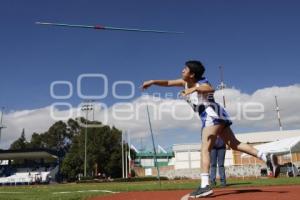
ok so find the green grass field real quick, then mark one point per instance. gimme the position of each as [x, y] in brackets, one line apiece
[84, 191]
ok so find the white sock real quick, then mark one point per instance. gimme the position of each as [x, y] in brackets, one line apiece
[262, 155]
[204, 180]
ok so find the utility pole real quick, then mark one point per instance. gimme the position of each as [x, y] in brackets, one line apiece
[86, 108]
[222, 86]
[278, 113]
[129, 155]
[122, 144]
[92, 106]
[126, 166]
[1, 125]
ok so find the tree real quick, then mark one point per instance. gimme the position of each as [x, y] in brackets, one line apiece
[55, 136]
[103, 147]
[20, 143]
[73, 162]
[103, 153]
[58, 137]
[36, 141]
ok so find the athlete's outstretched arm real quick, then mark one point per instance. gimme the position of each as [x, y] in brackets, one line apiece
[165, 83]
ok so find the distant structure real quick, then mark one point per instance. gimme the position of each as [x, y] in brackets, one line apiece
[187, 156]
[146, 159]
[1, 124]
[222, 86]
[278, 113]
[31, 166]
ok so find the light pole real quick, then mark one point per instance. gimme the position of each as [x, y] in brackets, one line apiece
[122, 143]
[222, 86]
[92, 106]
[1, 125]
[86, 107]
[278, 113]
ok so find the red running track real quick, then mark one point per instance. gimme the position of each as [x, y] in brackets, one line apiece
[248, 193]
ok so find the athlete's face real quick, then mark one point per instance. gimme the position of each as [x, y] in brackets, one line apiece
[186, 74]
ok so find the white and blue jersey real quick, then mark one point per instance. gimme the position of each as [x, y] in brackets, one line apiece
[210, 112]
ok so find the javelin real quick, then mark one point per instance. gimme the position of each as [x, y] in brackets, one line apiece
[100, 27]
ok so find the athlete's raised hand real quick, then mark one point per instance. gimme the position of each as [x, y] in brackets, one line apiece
[146, 85]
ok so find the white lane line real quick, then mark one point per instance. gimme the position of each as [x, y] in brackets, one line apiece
[185, 197]
[82, 191]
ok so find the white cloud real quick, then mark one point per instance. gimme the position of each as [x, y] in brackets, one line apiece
[288, 99]
[163, 111]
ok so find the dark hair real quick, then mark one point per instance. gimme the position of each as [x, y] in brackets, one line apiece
[196, 67]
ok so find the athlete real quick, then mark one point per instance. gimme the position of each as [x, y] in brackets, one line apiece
[199, 93]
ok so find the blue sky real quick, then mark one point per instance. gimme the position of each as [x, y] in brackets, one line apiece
[257, 42]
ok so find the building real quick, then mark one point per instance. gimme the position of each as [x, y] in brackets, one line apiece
[184, 161]
[144, 163]
[146, 159]
[187, 156]
[32, 166]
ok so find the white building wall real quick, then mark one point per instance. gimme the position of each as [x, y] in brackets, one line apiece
[195, 155]
[182, 160]
[228, 158]
[187, 156]
[182, 156]
[182, 165]
[195, 164]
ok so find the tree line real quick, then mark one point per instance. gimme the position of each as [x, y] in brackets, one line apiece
[68, 139]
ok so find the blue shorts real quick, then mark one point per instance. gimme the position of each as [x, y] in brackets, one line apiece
[214, 114]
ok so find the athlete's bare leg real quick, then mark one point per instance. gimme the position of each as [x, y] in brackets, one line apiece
[209, 135]
[229, 138]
